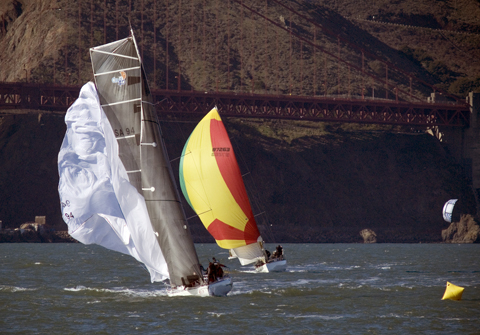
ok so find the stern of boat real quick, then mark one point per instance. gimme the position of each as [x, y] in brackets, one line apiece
[274, 266]
[221, 287]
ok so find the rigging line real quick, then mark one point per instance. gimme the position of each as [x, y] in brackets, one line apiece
[260, 213]
[197, 215]
[151, 121]
[180, 157]
[116, 71]
[157, 102]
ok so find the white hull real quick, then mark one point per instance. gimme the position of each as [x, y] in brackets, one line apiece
[218, 289]
[274, 266]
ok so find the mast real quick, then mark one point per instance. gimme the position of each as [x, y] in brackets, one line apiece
[125, 98]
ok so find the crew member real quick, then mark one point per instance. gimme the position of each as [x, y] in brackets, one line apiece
[218, 268]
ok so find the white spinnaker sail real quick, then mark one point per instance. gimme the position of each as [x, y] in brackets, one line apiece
[247, 258]
[99, 204]
[249, 253]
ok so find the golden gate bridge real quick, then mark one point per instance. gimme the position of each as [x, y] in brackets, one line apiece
[313, 73]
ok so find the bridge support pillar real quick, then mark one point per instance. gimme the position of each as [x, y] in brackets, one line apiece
[464, 146]
[454, 138]
[472, 145]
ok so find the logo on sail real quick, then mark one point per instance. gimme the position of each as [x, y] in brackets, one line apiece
[220, 151]
[121, 79]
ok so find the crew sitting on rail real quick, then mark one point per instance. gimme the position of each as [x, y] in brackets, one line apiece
[278, 253]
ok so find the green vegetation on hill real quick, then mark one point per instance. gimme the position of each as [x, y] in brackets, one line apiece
[442, 36]
[213, 44]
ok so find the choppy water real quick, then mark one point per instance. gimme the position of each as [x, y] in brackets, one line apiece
[328, 289]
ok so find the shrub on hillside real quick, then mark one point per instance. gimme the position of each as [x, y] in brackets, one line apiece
[463, 86]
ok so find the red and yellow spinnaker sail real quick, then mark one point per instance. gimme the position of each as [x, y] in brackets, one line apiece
[212, 184]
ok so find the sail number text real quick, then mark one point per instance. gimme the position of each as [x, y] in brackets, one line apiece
[220, 151]
[124, 132]
[67, 215]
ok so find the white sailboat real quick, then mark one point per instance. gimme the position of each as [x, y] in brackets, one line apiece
[116, 183]
[212, 184]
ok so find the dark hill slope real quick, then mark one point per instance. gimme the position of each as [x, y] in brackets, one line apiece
[29, 176]
[320, 183]
[324, 186]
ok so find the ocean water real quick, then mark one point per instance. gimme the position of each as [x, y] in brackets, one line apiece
[327, 289]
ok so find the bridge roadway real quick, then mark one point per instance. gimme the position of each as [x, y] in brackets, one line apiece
[56, 99]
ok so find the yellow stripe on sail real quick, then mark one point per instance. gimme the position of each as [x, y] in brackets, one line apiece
[230, 244]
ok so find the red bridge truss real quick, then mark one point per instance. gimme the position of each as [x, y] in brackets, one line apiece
[56, 99]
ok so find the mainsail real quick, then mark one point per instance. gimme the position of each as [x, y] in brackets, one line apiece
[125, 99]
[212, 184]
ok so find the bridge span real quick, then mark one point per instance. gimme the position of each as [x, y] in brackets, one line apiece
[46, 98]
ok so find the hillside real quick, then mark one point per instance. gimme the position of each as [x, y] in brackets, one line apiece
[229, 48]
[317, 182]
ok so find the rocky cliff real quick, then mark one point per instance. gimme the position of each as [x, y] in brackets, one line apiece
[466, 230]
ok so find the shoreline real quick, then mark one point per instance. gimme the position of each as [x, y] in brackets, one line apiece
[52, 236]
[31, 236]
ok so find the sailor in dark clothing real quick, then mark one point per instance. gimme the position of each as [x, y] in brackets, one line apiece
[267, 253]
[219, 272]
[218, 268]
[211, 273]
[279, 251]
